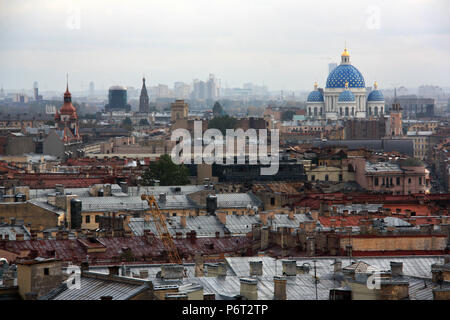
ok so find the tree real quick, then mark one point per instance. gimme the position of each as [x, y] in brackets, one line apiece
[144, 122]
[167, 172]
[287, 115]
[127, 124]
[222, 123]
[218, 110]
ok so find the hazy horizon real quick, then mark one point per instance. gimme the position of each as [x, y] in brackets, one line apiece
[285, 45]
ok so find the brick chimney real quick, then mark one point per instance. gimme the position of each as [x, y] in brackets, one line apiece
[198, 258]
[183, 221]
[263, 217]
[256, 268]
[222, 216]
[279, 284]
[249, 288]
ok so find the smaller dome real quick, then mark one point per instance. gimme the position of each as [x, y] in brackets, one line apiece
[315, 96]
[346, 96]
[375, 95]
[345, 53]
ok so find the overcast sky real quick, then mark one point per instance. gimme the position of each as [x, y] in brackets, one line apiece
[283, 44]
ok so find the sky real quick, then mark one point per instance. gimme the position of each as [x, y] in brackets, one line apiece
[283, 44]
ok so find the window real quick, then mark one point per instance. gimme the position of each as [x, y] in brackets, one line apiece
[272, 201]
[398, 180]
[376, 181]
[420, 180]
[326, 177]
[97, 219]
[409, 180]
[46, 271]
[88, 218]
[174, 214]
[340, 178]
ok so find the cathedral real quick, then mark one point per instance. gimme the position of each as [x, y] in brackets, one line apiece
[345, 95]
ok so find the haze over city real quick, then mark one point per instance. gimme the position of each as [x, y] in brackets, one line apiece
[285, 45]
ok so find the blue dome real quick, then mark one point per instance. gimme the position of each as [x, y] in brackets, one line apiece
[315, 96]
[343, 73]
[375, 95]
[346, 96]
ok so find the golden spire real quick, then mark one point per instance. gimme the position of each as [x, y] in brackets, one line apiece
[315, 85]
[375, 85]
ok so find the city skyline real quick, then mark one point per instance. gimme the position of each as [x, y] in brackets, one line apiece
[257, 42]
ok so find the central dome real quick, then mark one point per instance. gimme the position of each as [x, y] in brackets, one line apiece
[343, 73]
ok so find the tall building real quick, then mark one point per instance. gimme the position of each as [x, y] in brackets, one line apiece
[144, 106]
[67, 119]
[179, 110]
[117, 99]
[394, 123]
[36, 91]
[331, 67]
[91, 88]
[181, 90]
[64, 142]
[344, 96]
[211, 88]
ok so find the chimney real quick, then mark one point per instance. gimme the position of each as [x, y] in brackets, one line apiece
[183, 221]
[289, 267]
[337, 265]
[256, 268]
[222, 216]
[291, 215]
[162, 198]
[198, 258]
[84, 266]
[279, 284]
[263, 218]
[447, 259]
[249, 288]
[113, 270]
[172, 271]
[396, 268]
[143, 274]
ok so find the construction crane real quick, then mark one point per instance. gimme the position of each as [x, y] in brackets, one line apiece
[162, 230]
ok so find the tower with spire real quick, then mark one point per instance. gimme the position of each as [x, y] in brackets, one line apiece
[67, 119]
[144, 106]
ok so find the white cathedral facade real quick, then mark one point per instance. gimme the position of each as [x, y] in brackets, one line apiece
[345, 95]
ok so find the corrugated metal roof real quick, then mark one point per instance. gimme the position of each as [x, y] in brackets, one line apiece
[94, 289]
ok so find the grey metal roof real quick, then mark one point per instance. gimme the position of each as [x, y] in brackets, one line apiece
[12, 231]
[370, 207]
[237, 200]
[81, 192]
[179, 201]
[94, 289]
[112, 203]
[382, 167]
[156, 190]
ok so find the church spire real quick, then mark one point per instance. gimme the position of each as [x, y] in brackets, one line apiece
[144, 106]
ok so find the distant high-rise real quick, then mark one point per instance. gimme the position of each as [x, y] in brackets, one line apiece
[199, 90]
[2, 92]
[144, 105]
[36, 91]
[91, 88]
[117, 99]
[211, 88]
[331, 67]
